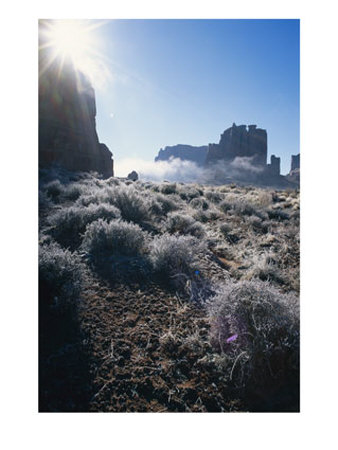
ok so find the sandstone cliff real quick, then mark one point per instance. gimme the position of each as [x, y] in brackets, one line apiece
[67, 127]
[184, 152]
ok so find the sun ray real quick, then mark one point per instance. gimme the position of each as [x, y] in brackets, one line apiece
[74, 41]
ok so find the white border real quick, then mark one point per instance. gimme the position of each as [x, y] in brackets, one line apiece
[23, 426]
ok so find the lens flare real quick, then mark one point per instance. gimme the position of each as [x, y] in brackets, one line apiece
[75, 41]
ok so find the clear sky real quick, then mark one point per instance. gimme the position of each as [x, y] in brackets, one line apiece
[186, 81]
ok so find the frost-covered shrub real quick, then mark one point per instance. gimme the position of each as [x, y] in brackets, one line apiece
[206, 216]
[61, 275]
[167, 204]
[262, 198]
[133, 206]
[257, 224]
[189, 192]
[44, 201]
[214, 196]
[69, 223]
[168, 188]
[115, 237]
[257, 327]
[199, 203]
[277, 214]
[241, 206]
[54, 189]
[171, 256]
[184, 224]
[228, 232]
[225, 229]
[74, 190]
[264, 267]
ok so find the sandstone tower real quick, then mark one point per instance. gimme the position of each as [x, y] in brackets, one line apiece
[240, 141]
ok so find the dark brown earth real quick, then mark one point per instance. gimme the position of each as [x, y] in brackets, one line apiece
[138, 348]
[142, 355]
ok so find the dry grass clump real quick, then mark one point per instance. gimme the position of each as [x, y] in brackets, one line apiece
[264, 266]
[257, 327]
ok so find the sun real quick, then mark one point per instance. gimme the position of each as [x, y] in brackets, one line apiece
[74, 41]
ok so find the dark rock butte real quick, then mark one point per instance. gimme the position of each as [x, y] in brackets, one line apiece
[67, 110]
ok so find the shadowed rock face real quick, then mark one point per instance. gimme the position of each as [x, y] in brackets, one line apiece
[67, 127]
[184, 152]
[295, 162]
[240, 141]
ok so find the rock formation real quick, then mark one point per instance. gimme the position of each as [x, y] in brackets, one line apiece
[294, 174]
[240, 141]
[133, 176]
[240, 156]
[274, 167]
[67, 127]
[295, 162]
[184, 152]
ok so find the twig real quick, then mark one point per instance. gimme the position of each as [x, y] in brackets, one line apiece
[233, 367]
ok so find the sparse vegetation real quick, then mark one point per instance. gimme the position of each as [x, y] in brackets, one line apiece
[201, 264]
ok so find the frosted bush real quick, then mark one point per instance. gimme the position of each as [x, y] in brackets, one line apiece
[199, 203]
[184, 224]
[69, 223]
[168, 188]
[206, 216]
[214, 196]
[61, 275]
[115, 237]
[264, 267]
[187, 192]
[174, 255]
[133, 206]
[54, 189]
[167, 204]
[258, 328]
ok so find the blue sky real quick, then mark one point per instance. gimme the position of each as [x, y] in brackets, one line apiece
[186, 81]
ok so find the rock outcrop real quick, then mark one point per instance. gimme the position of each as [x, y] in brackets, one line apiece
[240, 141]
[294, 174]
[133, 176]
[184, 152]
[67, 127]
[295, 162]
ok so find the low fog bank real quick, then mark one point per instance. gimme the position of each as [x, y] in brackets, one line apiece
[172, 170]
[241, 169]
